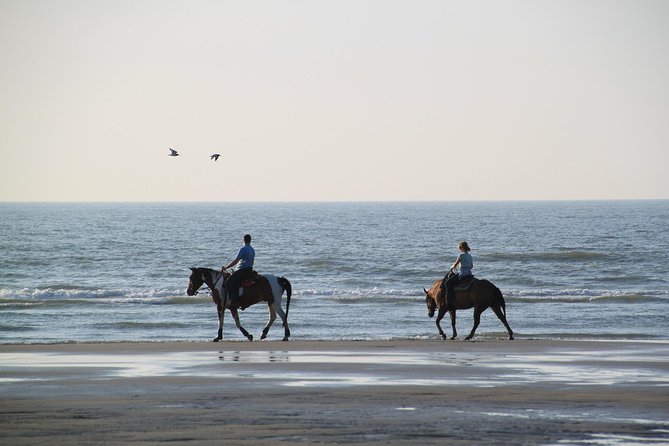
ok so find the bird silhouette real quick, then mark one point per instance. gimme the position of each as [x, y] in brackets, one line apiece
[215, 156]
[173, 153]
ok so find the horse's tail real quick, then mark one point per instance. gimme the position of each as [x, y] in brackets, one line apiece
[499, 299]
[285, 284]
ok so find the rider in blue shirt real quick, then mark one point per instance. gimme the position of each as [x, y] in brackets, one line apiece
[466, 264]
[244, 260]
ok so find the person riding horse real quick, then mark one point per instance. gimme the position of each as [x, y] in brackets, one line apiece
[245, 258]
[451, 279]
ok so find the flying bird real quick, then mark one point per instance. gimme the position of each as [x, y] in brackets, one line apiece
[215, 156]
[173, 153]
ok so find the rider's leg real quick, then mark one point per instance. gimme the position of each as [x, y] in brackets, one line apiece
[233, 283]
[232, 288]
[450, 294]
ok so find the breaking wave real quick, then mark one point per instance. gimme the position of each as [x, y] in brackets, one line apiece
[64, 296]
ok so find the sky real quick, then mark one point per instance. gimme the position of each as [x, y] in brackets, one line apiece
[334, 100]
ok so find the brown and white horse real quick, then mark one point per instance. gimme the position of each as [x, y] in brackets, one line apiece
[265, 288]
[479, 294]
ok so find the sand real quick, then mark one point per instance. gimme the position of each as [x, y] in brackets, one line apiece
[302, 392]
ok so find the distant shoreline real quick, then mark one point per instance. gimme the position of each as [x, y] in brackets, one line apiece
[298, 202]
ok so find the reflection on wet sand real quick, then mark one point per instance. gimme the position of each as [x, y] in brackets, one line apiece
[395, 392]
[341, 367]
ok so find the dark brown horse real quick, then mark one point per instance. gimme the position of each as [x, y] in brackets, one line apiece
[265, 288]
[480, 295]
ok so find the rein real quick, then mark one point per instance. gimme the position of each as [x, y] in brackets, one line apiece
[220, 276]
[204, 282]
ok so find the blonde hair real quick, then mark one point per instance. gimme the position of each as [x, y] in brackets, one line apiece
[464, 246]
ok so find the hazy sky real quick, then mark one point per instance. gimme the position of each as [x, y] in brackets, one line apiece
[333, 100]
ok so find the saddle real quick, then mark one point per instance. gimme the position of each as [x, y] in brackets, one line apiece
[246, 299]
[250, 279]
[465, 284]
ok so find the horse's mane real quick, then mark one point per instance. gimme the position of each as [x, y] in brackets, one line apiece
[206, 269]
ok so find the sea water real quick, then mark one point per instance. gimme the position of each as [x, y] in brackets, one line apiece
[117, 272]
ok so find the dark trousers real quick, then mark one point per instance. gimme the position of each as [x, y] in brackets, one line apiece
[233, 282]
[449, 284]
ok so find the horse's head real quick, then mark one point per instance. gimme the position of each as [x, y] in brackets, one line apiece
[431, 303]
[195, 281]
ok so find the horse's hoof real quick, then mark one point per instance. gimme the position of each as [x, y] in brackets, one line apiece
[285, 339]
[510, 338]
[468, 338]
[443, 337]
[250, 338]
[263, 336]
[453, 338]
[216, 339]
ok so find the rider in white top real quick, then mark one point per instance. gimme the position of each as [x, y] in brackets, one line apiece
[466, 264]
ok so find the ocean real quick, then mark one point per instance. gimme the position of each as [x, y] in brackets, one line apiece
[117, 272]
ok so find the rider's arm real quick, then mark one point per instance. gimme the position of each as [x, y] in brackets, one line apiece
[456, 263]
[233, 263]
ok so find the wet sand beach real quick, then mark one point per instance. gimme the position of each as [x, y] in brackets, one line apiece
[331, 392]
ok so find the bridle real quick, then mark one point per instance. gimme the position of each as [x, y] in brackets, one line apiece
[204, 282]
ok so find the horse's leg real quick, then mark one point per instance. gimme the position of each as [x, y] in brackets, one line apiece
[235, 316]
[272, 318]
[455, 332]
[477, 321]
[221, 315]
[502, 317]
[440, 316]
[284, 319]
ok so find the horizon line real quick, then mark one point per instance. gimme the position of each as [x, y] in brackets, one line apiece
[516, 200]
